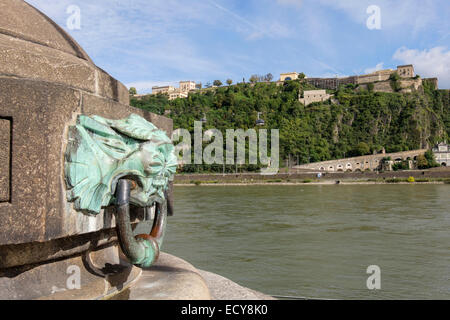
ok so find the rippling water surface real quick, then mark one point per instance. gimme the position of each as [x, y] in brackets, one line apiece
[317, 241]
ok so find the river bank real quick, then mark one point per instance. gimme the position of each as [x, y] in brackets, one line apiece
[441, 176]
[208, 183]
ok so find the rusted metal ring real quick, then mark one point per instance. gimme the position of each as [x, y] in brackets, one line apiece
[142, 250]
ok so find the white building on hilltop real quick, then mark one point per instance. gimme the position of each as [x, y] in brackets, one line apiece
[289, 76]
[310, 96]
[442, 154]
[174, 93]
[163, 89]
[187, 86]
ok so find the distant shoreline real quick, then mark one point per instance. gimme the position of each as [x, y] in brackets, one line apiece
[315, 183]
[326, 183]
[311, 178]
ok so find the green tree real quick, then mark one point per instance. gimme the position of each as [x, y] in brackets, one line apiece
[229, 82]
[362, 149]
[395, 81]
[422, 162]
[268, 77]
[132, 91]
[217, 83]
[254, 78]
[429, 155]
[394, 76]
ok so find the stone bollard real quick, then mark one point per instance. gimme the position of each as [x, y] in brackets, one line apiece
[49, 248]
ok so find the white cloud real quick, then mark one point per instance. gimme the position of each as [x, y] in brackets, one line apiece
[379, 66]
[434, 62]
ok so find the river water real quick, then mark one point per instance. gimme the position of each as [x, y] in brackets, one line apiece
[317, 241]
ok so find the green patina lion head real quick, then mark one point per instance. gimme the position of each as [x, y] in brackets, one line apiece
[100, 151]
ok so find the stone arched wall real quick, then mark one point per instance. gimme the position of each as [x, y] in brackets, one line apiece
[369, 162]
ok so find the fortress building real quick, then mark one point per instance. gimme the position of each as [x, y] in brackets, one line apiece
[187, 86]
[174, 93]
[380, 75]
[406, 73]
[442, 154]
[433, 81]
[178, 94]
[311, 96]
[331, 83]
[163, 89]
[289, 76]
[374, 162]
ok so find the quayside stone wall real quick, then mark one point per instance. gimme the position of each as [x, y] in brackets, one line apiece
[46, 81]
[40, 113]
[368, 162]
[307, 175]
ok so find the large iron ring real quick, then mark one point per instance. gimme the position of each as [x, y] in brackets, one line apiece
[142, 250]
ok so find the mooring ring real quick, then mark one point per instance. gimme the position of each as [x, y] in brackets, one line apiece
[143, 249]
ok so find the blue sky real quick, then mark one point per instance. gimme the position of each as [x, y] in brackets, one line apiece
[152, 42]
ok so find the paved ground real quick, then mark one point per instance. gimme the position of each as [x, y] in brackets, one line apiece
[172, 278]
[224, 289]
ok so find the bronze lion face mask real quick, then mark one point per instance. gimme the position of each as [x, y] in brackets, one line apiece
[100, 151]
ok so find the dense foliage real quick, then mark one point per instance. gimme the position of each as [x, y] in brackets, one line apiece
[354, 122]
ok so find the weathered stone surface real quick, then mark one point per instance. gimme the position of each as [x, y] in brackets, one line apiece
[23, 21]
[110, 87]
[410, 85]
[171, 278]
[382, 86]
[164, 123]
[406, 85]
[5, 141]
[30, 60]
[361, 163]
[24, 217]
[94, 105]
[102, 273]
[41, 113]
[39, 49]
[46, 81]
[224, 289]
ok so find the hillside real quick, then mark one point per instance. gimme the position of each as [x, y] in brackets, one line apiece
[320, 131]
